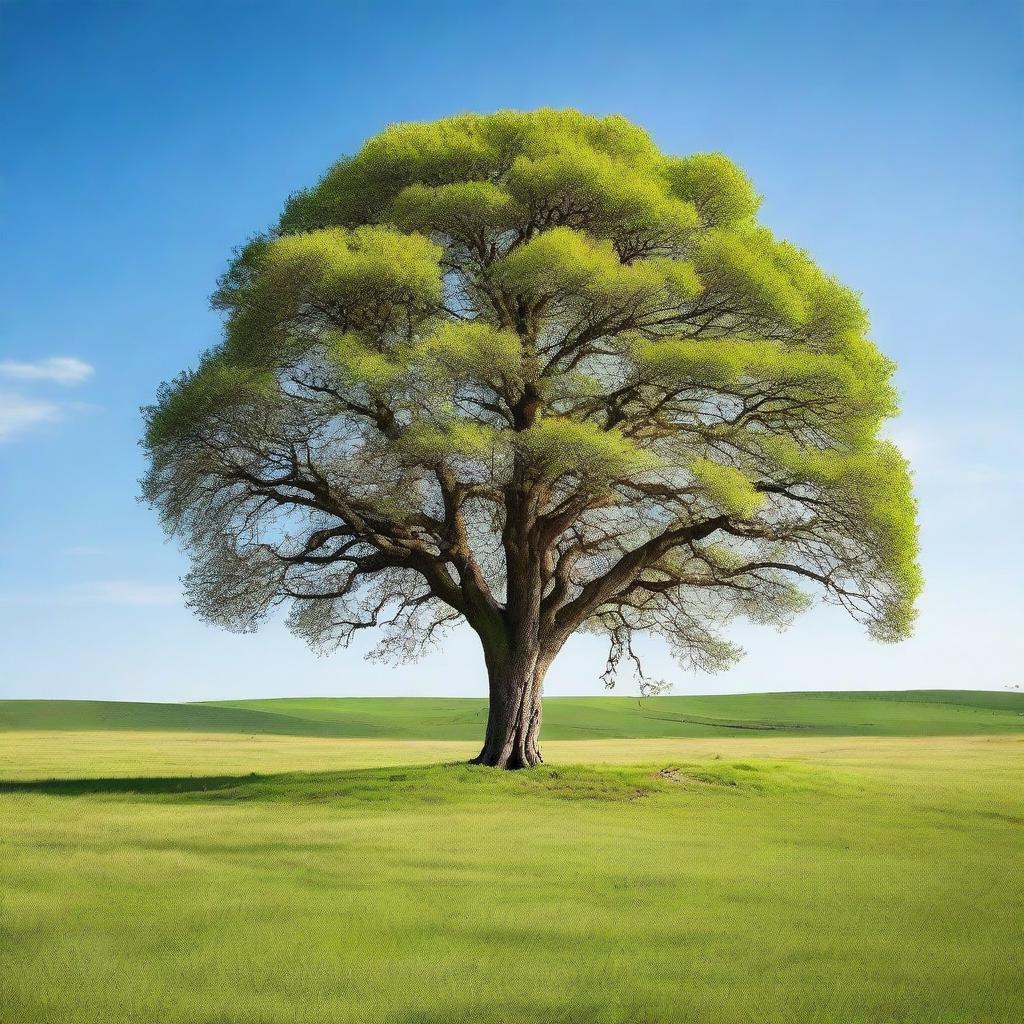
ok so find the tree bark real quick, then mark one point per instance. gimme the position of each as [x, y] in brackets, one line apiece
[515, 655]
[514, 713]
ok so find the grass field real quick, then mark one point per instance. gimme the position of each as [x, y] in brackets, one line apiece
[170, 873]
[886, 713]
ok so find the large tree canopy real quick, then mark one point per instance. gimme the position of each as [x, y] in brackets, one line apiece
[524, 370]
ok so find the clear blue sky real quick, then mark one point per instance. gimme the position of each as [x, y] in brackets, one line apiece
[142, 141]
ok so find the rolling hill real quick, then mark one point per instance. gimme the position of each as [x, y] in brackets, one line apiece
[884, 713]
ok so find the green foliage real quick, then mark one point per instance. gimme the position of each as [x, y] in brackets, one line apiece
[591, 189]
[197, 397]
[844, 395]
[371, 279]
[565, 263]
[466, 209]
[362, 366]
[730, 489]
[472, 351]
[873, 487]
[369, 264]
[468, 148]
[554, 447]
[719, 191]
[433, 443]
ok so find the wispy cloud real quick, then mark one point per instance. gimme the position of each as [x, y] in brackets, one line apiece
[57, 370]
[19, 414]
[19, 411]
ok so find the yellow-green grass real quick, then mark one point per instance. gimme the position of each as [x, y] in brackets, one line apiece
[796, 879]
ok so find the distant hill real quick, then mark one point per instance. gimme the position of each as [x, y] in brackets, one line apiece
[888, 713]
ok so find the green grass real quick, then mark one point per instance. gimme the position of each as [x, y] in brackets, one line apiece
[195, 878]
[900, 713]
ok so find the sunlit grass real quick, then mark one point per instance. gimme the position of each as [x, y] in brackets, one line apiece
[743, 880]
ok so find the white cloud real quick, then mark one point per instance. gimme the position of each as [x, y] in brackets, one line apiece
[56, 369]
[18, 414]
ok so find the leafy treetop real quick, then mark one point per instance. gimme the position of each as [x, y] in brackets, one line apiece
[525, 370]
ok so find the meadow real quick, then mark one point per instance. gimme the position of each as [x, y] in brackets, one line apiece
[708, 860]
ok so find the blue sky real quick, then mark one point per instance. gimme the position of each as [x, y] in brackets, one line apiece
[144, 140]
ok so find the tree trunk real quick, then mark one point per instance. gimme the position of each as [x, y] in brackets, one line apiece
[514, 713]
[516, 659]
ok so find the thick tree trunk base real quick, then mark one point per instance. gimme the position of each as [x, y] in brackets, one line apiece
[495, 757]
[513, 723]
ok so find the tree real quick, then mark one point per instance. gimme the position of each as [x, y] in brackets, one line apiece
[525, 371]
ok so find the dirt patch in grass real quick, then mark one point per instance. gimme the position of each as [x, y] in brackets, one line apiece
[694, 778]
